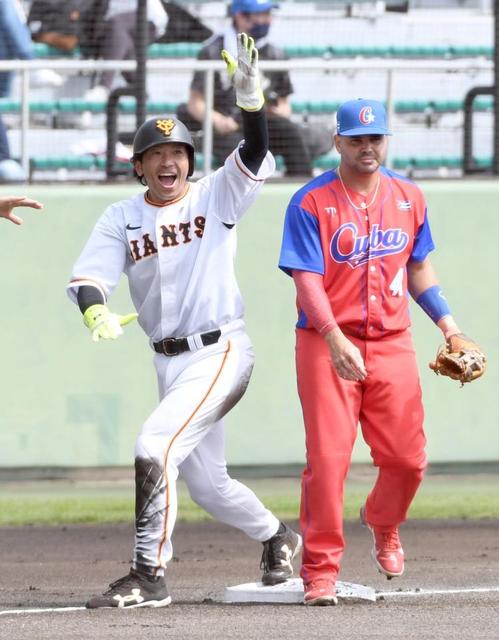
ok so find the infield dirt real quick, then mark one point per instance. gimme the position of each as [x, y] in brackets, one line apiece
[63, 566]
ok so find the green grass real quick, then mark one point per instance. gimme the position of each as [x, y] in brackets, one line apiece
[438, 498]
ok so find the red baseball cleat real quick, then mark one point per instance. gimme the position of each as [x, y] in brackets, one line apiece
[387, 552]
[320, 592]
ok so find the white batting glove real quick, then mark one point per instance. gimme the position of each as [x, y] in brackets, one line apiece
[244, 73]
[105, 324]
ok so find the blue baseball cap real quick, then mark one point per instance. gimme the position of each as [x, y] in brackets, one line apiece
[362, 118]
[252, 6]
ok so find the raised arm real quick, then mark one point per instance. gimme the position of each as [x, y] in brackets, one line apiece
[249, 97]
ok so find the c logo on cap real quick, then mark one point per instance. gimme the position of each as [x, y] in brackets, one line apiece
[366, 115]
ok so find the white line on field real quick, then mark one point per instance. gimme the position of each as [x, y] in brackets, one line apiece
[430, 592]
[57, 609]
[413, 593]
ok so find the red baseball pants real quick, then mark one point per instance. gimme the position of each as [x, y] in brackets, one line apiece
[388, 406]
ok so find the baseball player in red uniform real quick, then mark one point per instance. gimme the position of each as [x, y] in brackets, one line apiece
[356, 242]
[176, 243]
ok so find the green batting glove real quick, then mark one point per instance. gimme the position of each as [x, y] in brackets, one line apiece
[105, 324]
[244, 73]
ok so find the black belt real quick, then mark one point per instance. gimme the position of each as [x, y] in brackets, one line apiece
[174, 346]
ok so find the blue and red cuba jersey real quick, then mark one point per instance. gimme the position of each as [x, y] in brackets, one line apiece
[362, 253]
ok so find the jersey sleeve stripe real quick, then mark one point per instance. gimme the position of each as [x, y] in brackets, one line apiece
[301, 245]
[423, 242]
[244, 169]
[76, 283]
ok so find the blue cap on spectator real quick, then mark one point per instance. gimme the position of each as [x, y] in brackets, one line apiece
[362, 118]
[252, 6]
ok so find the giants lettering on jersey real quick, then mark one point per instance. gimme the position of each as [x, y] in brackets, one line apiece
[347, 245]
[170, 237]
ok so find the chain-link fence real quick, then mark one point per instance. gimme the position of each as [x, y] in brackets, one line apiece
[421, 58]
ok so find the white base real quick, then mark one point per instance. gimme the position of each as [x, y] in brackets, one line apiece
[291, 592]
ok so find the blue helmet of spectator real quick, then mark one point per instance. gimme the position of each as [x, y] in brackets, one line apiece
[252, 6]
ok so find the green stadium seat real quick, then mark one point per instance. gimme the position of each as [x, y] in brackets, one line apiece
[471, 51]
[42, 50]
[41, 106]
[447, 106]
[324, 162]
[78, 105]
[401, 52]
[156, 50]
[344, 52]
[307, 51]
[412, 106]
[436, 51]
[401, 163]
[127, 106]
[454, 162]
[483, 104]
[70, 105]
[100, 163]
[428, 162]
[484, 163]
[191, 50]
[373, 52]
[64, 162]
[299, 107]
[174, 50]
[9, 106]
[162, 107]
[323, 107]
[422, 51]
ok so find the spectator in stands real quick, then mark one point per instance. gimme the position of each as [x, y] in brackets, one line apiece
[296, 143]
[116, 38]
[57, 23]
[16, 44]
[10, 170]
[183, 26]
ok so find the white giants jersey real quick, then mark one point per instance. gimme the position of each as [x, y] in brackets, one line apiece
[179, 258]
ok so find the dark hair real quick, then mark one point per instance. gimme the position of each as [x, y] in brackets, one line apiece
[140, 179]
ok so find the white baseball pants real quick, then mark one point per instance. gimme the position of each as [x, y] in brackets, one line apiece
[185, 434]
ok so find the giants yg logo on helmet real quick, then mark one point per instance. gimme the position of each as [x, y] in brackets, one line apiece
[366, 115]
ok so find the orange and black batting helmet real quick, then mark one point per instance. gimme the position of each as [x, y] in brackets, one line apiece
[160, 130]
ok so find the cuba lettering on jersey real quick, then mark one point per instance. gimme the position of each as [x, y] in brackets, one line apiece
[361, 252]
[179, 258]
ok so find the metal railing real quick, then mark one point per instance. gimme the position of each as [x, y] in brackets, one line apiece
[391, 67]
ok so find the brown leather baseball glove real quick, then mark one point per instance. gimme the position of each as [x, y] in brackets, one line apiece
[460, 359]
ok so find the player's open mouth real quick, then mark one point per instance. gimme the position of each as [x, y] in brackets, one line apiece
[167, 179]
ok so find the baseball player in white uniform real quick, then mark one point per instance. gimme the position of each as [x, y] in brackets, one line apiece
[176, 243]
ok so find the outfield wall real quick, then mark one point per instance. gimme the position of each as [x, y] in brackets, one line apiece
[67, 401]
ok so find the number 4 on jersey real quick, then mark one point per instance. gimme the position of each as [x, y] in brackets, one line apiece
[396, 285]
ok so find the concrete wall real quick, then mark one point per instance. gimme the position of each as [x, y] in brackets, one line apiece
[68, 401]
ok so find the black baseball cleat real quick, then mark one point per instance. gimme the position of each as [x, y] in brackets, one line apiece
[137, 589]
[278, 552]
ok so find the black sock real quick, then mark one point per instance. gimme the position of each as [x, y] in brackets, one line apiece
[281, 529]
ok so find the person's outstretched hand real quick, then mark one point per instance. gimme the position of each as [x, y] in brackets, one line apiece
[7, 203]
